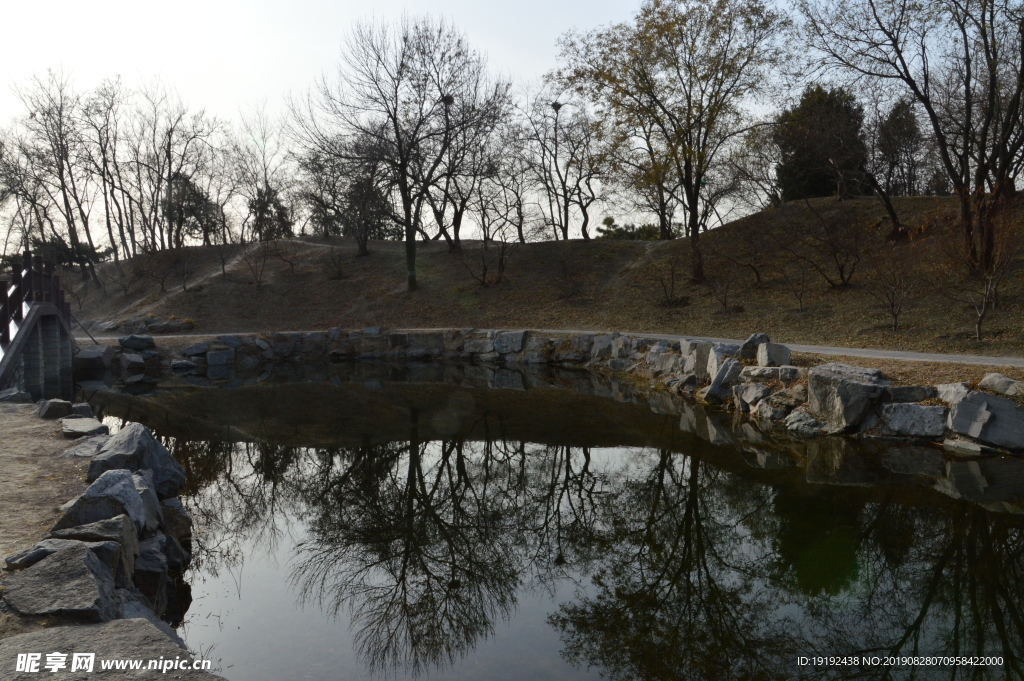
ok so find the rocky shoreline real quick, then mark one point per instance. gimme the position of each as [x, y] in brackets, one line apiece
[753, 379]
[110, 570]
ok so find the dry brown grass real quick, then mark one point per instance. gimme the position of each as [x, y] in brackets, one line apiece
[600, 285]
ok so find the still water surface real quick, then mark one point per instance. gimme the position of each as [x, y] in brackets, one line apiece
[400, 530]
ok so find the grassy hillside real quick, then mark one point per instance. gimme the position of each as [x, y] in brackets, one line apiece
[752, 263]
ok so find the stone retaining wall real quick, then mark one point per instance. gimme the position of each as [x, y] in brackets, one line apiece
[753, 379]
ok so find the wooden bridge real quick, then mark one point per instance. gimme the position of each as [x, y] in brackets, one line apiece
[36, 343]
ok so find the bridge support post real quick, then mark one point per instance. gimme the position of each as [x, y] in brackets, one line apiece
[32, 358]
[50, 327]
[67, 373]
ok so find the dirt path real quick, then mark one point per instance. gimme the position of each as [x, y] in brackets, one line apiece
[35, 481]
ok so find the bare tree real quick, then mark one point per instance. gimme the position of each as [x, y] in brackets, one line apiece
[565, 160]
[961, 63]
[396, 85]
[255, 258]
[892, 280]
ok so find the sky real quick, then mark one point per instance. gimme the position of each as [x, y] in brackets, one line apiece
[225, 56]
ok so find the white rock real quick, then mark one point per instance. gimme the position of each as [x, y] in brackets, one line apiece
[772, 355]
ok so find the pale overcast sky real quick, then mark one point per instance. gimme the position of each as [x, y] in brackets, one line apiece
[222, 55]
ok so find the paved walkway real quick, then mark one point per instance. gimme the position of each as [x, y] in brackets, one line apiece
[817, 349]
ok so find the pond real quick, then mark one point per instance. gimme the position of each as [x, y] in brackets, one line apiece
[385, 526]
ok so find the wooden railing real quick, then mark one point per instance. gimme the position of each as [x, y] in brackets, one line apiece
[32, 281]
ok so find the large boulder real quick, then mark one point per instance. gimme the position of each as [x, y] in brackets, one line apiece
[54, 409]
[87, 447]
[772, 355]
[132, 363]
[135, 448]
[800, 423]
[749, 348]
[71, 582]
[747, 395]
[107, 551]
[135, 342]
[720, 389]
[841, 395]
[913, 420]
[151, 572]
[111, 495]
[15, 395]
[120, 529]
[77, 426]
[990, 419]
[951, 393]
[777, 406]
[177, 522]
[144, 485]
[717, 356]
[92, 359]
[136, 637]
[1004, 385]
[509, 341]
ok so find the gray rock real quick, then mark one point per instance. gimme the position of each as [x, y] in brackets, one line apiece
[177, 521]
[509, 341]
[749, 348]
[908, 393]
[772, 355]
[15, 395]
[182, 366]
[120, 529]
[778, 405]
[83, 409]
[54, 409]
[760, 373]
[913, 420]
[951, 393]
[622, 346]
[93, 358]
[334, 333]
[230, 341]
[87, 447]
[220, 357]
[990, 419]
[799, 422]
[135, 637]
[478, 346]
[134, 605]
[111, 495]
[842, 395]
[203, 348]
[134, 342]
[108, 552]
[132, 363]
[748, 395]
[370, 331]
[664, 363]
[76, 427]
[135, 448]
[177, 557]
[717, 355]
[71, 582]
[720, 389]
[143, 481]
[150, 575]
[1004, 385]
[602, 347]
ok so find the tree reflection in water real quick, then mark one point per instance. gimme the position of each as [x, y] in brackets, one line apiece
[683, 570]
